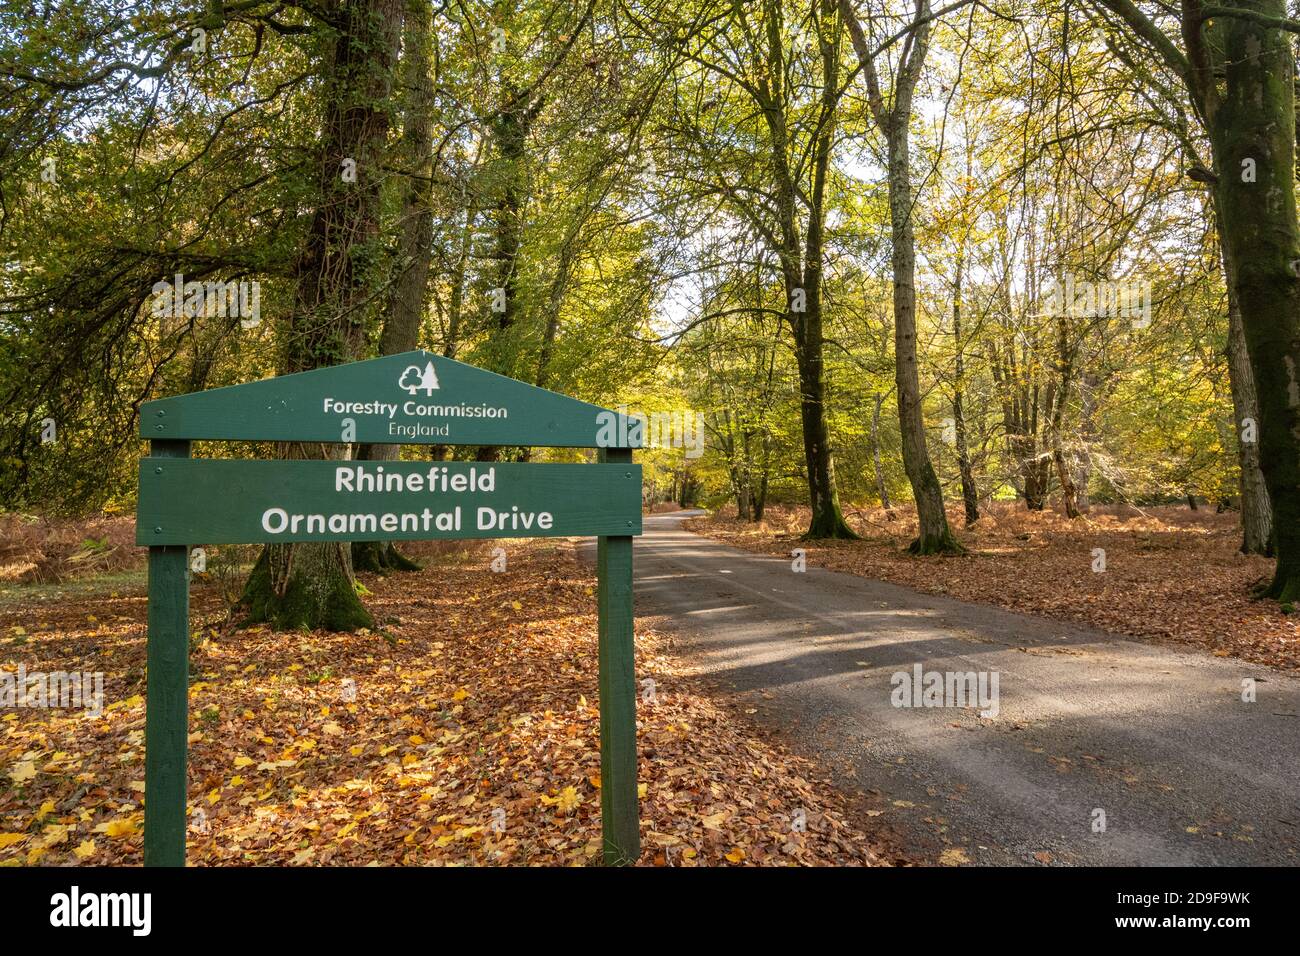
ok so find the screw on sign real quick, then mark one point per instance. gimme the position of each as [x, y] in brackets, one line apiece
[184, 502]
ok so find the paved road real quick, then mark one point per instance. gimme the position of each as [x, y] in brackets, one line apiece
[1161, 741]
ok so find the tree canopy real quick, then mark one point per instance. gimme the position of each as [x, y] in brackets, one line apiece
[870, 251]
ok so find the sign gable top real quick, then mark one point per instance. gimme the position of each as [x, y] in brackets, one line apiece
[416, 397]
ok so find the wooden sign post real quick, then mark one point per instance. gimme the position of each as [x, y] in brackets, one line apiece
[415, 398]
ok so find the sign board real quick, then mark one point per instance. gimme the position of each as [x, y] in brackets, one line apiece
[191, 501]
[413, 398]
[416, 398]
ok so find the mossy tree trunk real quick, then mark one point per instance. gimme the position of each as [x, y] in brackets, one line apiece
[1252, 128]
[1238, 67]
[1256, 510]
[410, 295]
[305, 586]
[311, 585]
[510, 129]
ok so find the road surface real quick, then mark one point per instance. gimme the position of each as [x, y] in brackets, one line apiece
[1159, 741]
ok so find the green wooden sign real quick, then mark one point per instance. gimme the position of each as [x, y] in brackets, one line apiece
[193, 501]
[413, 398]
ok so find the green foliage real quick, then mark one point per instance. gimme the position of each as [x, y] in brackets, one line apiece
[610, 170]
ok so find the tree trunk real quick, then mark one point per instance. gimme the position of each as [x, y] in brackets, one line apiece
[1256, 121]
[686, 491]
[1035, 474]
[881, 490]
[411, 286]
[456, 306]
[746, 473]
[510, 129]
[311, 584]
[1256, 510]
[1241, 80]
[934, 535]
[1019, 446]
[1065, 355]
[823, 496]
[969, 493]
[305, 585]
[1069, 497]
[744, 510]
[554, 303]
[1087, 434]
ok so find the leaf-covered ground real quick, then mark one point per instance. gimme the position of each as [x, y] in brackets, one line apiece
[472, 737]
[1171, 574]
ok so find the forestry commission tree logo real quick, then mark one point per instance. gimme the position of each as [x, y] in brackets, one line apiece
[413, 379]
